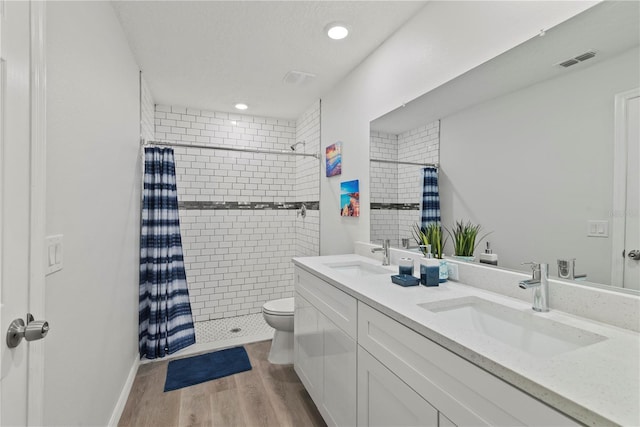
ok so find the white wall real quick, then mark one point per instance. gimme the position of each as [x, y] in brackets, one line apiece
[93, 199]
[444, 40]
[147, 111]
[535, 165]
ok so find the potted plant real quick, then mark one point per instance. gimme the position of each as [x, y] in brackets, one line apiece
[465, 239]
[429, 235]
[432, 235]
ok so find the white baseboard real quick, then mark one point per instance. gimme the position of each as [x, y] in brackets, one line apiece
[124, 394]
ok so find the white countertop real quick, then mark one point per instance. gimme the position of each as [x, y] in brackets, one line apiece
[597, 385]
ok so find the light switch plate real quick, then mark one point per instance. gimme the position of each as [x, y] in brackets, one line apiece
[598, 228]
[53, 257]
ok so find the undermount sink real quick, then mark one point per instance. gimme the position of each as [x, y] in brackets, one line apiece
[528, 332]
[358, 268]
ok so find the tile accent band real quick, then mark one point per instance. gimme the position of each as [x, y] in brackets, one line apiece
[395, 206]
[203, 206]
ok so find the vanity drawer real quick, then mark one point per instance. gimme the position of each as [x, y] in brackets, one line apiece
[464, 393]
[339, 307]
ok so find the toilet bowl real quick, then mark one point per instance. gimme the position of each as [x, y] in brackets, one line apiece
[279, 315]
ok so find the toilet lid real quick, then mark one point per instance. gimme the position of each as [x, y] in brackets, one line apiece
[282, 306]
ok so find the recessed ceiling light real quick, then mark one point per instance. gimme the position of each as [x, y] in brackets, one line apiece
[241, 106]
[337, 31]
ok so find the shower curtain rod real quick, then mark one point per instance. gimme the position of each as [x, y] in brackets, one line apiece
[397, 162]
[220, 147]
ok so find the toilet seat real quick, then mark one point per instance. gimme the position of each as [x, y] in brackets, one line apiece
[279, 307]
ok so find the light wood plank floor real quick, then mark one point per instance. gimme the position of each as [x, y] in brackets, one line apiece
[267, 395]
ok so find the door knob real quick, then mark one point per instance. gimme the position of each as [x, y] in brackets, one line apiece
[635, 254]
[32, 331]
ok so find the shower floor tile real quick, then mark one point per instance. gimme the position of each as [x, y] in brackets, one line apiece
[232, 327]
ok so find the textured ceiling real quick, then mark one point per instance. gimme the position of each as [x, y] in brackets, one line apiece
[213, 54]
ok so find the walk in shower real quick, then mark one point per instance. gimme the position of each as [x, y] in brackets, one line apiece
[242, 182]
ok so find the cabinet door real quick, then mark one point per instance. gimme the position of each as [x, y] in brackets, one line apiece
[308, 346]
[385, 400]
[339, 369]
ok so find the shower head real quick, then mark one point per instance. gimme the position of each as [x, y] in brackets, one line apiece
[293, 147]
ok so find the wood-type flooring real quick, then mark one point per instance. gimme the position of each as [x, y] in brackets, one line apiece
[267, 395]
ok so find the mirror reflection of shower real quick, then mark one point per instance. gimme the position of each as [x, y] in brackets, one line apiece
[293, 147]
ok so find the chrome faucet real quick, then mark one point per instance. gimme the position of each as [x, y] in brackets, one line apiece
[407, 245]
[386, 244]
[567, 269]
[539, 282]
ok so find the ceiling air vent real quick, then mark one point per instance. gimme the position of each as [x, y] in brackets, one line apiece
[585, 56]
[568, 63]
[298, 78]
[577, 59]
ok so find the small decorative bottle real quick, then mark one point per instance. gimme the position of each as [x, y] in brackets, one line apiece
[405, 266]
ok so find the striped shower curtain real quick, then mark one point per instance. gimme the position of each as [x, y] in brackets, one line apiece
[430, 209]
[165, 321]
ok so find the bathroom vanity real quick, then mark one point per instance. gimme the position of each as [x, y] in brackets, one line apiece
[373, 353]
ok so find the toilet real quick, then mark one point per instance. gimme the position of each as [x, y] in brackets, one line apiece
[279, 315]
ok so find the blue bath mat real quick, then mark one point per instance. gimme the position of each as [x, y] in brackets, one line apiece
[206, 367]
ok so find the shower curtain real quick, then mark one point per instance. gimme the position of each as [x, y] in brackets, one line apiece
[165, 321]
[430, 209]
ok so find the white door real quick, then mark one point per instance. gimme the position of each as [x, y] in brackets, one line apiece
[631, 271]
[626, 220]
[19, 128]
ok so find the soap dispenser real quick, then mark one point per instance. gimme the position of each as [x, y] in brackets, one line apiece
[429, 269]
[488, 257]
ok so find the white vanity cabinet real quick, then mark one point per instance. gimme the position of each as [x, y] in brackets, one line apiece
[325, 347]
[362, 367]
[462, 393]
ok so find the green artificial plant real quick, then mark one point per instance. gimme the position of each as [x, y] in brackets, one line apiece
[465, 238]
[430, 235]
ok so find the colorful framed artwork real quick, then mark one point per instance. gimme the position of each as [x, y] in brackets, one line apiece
[350, 198]
[334, 159]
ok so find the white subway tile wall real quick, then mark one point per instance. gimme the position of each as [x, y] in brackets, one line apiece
[384, 187]
[384, 225]
[400, 183]
[307, 181]
[384, 176]
[417, 145]
[236, 259]
[147, 111]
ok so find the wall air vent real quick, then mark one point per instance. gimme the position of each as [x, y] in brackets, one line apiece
[577, 59]
[298, 78]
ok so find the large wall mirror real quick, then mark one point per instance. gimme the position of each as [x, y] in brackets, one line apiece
[539, 146]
